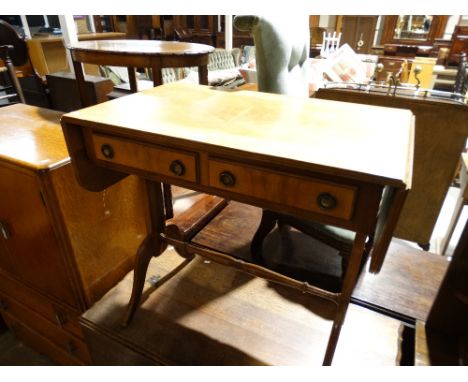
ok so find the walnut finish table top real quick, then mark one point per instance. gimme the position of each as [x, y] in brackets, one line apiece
[366, 142]
[32, 137]
[142, 47]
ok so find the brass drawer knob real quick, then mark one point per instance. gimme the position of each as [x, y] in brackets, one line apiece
[177, 168]
[326, 201]
[227, 178]
[107, 151]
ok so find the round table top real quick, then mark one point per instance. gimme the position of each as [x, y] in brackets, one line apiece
[143, 47]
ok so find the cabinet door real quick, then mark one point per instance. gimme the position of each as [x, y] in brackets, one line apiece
[33, 254]
[358, 32]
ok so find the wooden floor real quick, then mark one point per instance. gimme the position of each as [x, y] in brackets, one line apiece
[209, 314]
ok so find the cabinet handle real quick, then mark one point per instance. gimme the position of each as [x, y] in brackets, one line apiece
[326, 201]
[4, 230]
[177, 168]
[107, 151]
[227, 178]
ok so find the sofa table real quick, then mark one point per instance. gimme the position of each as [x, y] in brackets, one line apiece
[139, 54]
[314, 159]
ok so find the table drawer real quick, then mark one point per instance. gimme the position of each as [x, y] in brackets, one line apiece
[173, 163]
[308, 194]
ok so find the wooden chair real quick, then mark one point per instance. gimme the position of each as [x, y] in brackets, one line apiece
[183, 34]
[12, 81]
[33, 86]
[278, 73]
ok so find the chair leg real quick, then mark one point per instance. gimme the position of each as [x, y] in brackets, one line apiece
[266, 225]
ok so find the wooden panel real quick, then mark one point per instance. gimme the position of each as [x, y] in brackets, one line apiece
[64, 93]
[407, 284]
[293, 191]
[47, 55]
[40, 343]
[145, 157]
[64, 340]
[37, 256]
[100, 260]
[359, 28]
[54, 312]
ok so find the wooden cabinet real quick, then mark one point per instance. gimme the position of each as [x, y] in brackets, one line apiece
[61, 247]
[48, 54]
[413, 30]
[358, 32]
[202, 28]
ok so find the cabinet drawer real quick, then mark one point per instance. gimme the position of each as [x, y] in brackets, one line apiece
[59, 316]
[67, 342]
[39, 343]
[308, 194]
[173, 163]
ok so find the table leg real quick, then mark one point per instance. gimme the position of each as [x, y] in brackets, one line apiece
[348, 285]
[203, 75]
[80, 80]
[151, 246]
[157, 74]
[132, 79]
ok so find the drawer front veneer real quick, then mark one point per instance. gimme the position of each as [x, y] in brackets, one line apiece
[300, 192]
[168, 162]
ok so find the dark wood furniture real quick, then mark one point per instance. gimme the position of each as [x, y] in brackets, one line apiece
[64, 95]
[11, 82]
[202, 28]
[444, 338]
[359, 32]
[226, 144]
[139, 54]
[61, 247]
[393, 67]
[459, 44]
[408, 50]
[436, 30]
[33, 89]
[406, 286]
[440, 138]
